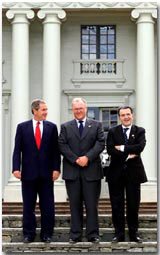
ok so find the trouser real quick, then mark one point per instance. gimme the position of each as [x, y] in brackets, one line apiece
[79, 191]
[30, 190]
[117, 190]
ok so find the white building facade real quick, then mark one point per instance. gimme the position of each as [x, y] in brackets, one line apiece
[104, 52]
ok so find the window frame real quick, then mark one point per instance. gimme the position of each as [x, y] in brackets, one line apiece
[98, 34]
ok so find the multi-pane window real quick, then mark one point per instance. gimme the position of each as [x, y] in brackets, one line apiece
[108, 116]
[98, 42]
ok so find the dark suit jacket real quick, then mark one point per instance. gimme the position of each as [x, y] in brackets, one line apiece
[134, 167]
[90, 144]
[36, 163]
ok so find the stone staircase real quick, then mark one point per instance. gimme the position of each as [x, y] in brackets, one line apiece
[13, 238]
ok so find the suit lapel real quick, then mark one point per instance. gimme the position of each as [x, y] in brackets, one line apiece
[132, 135]
[31, 132]
[75, 128]
[44, 133]
[120, 134]
[87, 127]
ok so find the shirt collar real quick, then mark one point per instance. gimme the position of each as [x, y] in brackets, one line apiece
[127, 127]
[84, 121]
[35, 121]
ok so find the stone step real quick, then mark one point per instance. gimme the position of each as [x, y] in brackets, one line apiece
[62, 234]
[86, 247]
[15, 221]
[63, 207]
[101, 201]
[67, 211]
[66, 204]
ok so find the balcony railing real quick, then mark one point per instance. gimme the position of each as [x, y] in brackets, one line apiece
[98, 68]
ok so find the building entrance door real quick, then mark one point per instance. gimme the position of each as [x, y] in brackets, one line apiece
[109, 118]
[107, 115]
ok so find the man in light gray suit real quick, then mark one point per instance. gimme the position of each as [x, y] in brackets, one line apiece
[81, 141]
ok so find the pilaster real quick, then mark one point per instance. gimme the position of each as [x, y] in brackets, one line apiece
[51, 60]
[20, 83]
[146, 101]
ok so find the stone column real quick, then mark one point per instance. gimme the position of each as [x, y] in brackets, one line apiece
[52, 74]
[51, 61]
[146, 104]
[20, 81]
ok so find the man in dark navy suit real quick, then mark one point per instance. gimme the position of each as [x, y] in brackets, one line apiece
[125, 143]
[36, 161]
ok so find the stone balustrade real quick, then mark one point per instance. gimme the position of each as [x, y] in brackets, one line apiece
[98, 68]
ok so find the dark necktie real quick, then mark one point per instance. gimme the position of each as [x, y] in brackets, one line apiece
[38, 135]
[125, 135]
[80, 127]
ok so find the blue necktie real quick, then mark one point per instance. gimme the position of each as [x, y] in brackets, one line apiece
[80, 127]
[125, 135]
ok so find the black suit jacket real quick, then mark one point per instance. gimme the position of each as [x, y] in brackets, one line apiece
[72, 146]
[134, 167]
[32, 162]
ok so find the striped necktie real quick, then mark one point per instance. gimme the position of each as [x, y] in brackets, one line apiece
[125, 135]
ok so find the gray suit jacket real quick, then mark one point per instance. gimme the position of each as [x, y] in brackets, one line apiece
[72, 146]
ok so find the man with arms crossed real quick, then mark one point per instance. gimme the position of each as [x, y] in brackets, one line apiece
[81, 141]
[125, 143]
[36, 149]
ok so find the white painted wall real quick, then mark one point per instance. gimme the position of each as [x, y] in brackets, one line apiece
[70, 49]
[126, 49]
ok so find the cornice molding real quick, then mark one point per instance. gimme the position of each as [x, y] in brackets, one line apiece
[78, 5]
[74, 92]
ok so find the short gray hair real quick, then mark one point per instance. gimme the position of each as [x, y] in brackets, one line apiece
[79, 100]
[36, 104]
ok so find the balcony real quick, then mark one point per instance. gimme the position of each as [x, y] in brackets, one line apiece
[98, 71]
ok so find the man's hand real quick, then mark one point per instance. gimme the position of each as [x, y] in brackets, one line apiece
[130, 156]
[82, 161]
[55, 175]
[17, 174]
[117, 147]
[78, 161]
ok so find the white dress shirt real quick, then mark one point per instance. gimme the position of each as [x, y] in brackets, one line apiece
[40, 126]
[127, 133]
[83, 123]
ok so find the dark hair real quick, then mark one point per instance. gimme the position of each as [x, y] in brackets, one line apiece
[35, 104]
[124, 107]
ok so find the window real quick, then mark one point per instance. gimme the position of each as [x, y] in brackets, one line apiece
[108, 116]
[98, 42]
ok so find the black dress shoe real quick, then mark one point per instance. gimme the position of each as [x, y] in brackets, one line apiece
[136, 239]
[94, 240]
[76, 240]
[46, 239]
[117, 239]
[28, 239]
